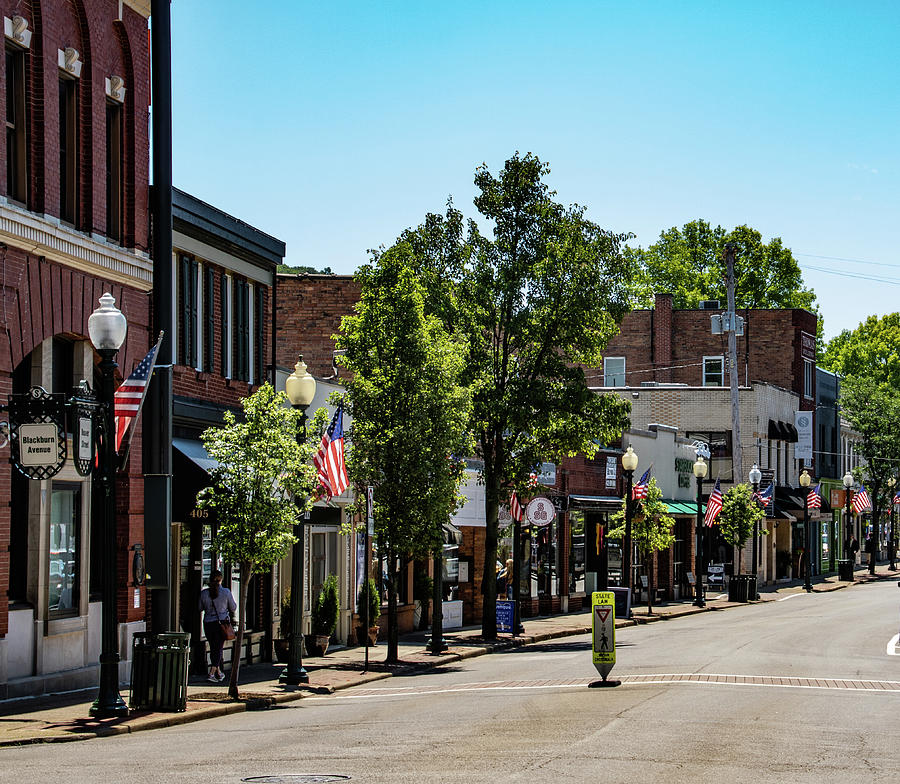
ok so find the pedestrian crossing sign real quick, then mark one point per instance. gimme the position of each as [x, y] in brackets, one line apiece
[603, 628]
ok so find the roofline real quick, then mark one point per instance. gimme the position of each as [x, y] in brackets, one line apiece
[219, 225]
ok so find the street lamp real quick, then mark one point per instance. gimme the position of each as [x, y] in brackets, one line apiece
[629, 463]
[107, 328]
[891, 546]
[848, 483]
[700, 469]
[300, 388]
[755, 478]
[805, 479]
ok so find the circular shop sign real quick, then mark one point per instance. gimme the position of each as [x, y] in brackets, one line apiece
[540, 511]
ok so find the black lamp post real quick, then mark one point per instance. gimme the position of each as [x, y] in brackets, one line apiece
[300, 388]
[804, 483]
[700, 469]
[755, 478]
[892, 483]
[629, 464]
[848, 523]
[107, 328]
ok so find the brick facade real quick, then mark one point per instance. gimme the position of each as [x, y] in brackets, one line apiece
[53, 271]
[310, 308]
[667, 346]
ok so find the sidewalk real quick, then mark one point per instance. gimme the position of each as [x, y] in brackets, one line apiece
[64, 717]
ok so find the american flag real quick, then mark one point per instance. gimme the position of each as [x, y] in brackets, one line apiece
[814, 498]
[713, 505]
[897, 498]
[861, 500]
[639, 491]
[130, 395]
[329, 460]
[515, 508]
[765, 496]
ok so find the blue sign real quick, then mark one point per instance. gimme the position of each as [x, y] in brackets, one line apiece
[505, 614]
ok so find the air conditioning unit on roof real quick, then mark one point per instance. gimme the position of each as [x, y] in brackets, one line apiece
[709, 304]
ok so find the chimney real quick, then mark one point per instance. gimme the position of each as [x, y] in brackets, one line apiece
[662, 337]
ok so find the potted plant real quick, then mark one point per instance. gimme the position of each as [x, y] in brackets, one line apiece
[368, 594]
[325, 613]
[282, 644]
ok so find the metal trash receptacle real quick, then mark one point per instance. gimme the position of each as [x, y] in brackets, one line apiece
[739, 587]
[845, 569]
[159, 671]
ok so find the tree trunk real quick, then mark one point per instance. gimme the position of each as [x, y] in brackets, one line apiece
[238, 644]
[489, 577]
[393, 651]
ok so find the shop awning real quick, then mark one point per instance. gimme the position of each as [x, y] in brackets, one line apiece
[681, 507]
[452, 534]
[195, 452]
[596, 502]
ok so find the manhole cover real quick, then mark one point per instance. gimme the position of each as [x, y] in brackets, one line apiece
[297, 778]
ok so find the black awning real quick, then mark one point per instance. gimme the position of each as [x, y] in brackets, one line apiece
[452, 534]
[791, 433]
[775, 432]
[595, 502]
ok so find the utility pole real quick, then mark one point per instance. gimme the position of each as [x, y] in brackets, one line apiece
[731, 328]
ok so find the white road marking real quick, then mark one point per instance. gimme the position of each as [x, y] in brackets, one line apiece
[658, 679]
[892, 646]
[792, 596]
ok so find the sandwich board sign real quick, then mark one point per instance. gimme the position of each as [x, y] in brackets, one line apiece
[603, 630]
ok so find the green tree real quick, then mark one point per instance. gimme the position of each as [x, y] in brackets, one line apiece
[263, 480]
[870, 352]
[738, 517]
[538, 300]
[410, 413]
[873, 411]
[690, 264]
[651, 529]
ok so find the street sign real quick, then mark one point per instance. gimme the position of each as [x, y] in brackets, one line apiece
[370, 510]
[540, 511]
[603, 631]
[505, 615]
[38, 444]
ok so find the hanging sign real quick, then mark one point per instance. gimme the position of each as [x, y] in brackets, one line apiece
[540, 511]
[803, 449]
[37, 432]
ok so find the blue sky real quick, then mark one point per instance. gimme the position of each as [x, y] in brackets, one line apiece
[334, 126]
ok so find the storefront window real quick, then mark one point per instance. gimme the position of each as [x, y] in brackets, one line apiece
[576, 551]
[65, 520]
[323, 554]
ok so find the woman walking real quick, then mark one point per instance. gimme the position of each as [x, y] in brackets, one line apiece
[216, 604]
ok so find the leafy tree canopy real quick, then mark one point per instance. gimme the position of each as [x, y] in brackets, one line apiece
[689, 263]
[410, 412]
[262, 481]
[873, 410]
[739, 516]
[304, 270]
[871, 352]
[536, 299]
[651, 525]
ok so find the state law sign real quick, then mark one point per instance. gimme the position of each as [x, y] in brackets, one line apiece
[540, 511]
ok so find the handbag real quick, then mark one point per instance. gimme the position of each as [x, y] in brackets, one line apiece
[227, 629]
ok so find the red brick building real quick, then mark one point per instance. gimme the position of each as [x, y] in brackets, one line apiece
[73, 225]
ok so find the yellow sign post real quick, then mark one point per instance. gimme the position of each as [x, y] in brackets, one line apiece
[603, 629]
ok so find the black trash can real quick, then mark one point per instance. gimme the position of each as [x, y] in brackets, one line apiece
[845, 569]
[742, 587]
[159, 671]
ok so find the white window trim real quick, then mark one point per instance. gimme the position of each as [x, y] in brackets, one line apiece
[721, 358]
[606, 373]
[227, 337]
[198, 330]
[808, 366]
[250, 332]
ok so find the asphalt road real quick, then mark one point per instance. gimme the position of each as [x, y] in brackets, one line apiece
[800, 690]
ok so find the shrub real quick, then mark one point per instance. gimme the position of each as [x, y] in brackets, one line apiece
[326, 610]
